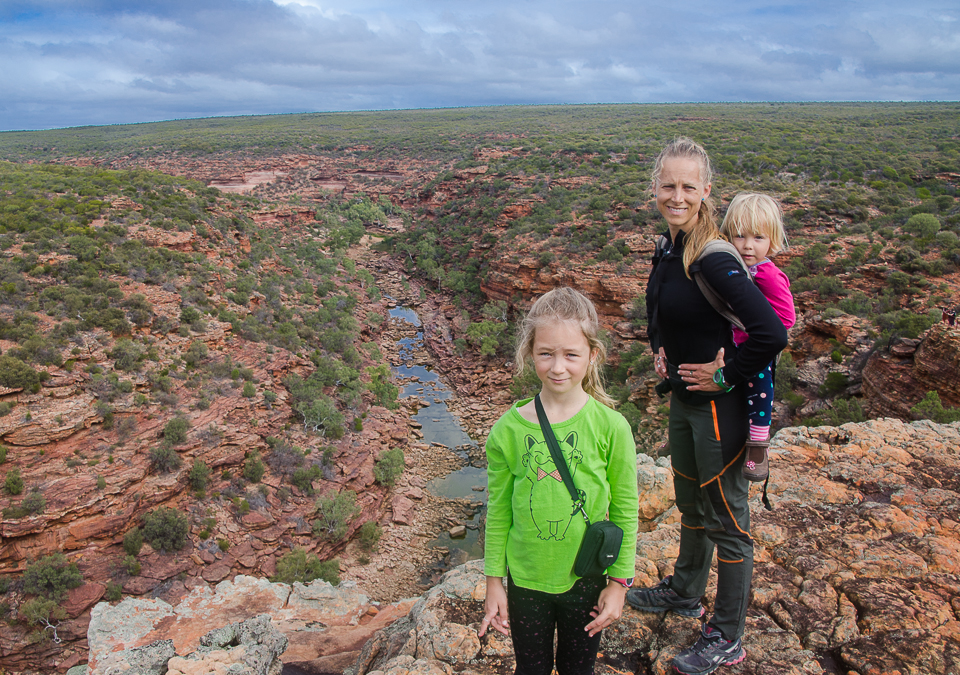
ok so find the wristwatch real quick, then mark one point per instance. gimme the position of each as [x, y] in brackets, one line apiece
[720, 382]
[626, 583]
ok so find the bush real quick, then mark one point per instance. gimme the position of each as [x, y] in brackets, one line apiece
[13, 483]
[931, 408]
[114, 591]
[165, 529]
[335, 515]
[51, 577]
[298, 565]
[199, 475]
[249, 390]
[126, 354]
[16, 374]
[303, 478]
[34, 502]
[388, 467]
[175, 432]
[131, 565]
[164, 459]
[253, 469]
[133, 541]
[370, 533]
[834, 383]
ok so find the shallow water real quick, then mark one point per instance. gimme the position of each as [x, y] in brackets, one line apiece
[440, 426]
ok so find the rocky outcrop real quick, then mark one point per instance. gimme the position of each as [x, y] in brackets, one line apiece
[313, 626]
[250, 647]
[856, 569]
[896, 380]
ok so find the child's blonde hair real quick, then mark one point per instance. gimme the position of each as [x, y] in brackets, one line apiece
[566, 304]
[754, 213]
[706, 229]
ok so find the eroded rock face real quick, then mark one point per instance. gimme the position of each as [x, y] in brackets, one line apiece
[896, 381]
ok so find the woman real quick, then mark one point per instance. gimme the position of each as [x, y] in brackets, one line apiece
[693, 348]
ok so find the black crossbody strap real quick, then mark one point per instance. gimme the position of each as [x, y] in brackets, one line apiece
[558, 459]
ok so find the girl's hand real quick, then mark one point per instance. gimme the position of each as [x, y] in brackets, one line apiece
[660, 364]
[608, 608]
[495, 608]
[699, 376]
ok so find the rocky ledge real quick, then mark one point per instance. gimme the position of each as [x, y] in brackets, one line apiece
[857, 572]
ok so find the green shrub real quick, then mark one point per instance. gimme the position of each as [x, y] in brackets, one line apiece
[370, 533]
[51, 577]
[834, 383]
[16, 374]
[931, 408]
[303, 477]
[34, 502]
[335, 515]
[175, 431]
[164, 459]
[298, 565]
[101, 482]
[253, 468]
[133, 541]
[13, 483]
[126, 354]
[114, 592]
[199, 475]
[131, 565]
[3, 454]
[223, 544]
[388, 466]
[165, 529]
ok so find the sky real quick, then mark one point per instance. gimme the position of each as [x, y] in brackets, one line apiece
[70, 63]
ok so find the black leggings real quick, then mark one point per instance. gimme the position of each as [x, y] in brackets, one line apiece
[533, 616]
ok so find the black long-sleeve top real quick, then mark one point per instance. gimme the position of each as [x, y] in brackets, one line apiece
[682, 321]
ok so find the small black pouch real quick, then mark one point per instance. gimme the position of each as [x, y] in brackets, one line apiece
[601, 541]
[599, 549]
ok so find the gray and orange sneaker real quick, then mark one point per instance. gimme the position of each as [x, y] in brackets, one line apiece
[710, 651]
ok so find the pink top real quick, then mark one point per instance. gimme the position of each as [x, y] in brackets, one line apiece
[775, 286]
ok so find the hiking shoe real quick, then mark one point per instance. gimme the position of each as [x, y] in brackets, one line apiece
[756, 467]
[662, 598]
[709, 653]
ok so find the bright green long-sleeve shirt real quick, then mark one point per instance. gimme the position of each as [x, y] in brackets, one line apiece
[530, 529]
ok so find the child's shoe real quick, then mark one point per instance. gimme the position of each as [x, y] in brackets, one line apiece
[756, 467]
[662, 598]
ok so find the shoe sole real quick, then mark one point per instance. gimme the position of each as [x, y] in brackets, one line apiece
[692, 613]
[743, 655]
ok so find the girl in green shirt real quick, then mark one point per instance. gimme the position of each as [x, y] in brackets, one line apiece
[532, 537]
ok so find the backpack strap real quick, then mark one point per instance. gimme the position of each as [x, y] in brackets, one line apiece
[718, 303]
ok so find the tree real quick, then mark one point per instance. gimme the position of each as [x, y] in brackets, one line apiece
[199, 475]
[388, 466]
[175, 432]
[13, 483]
[931, 408]
[51, 577]
[165, 529]
[16, 374]
[335, 514]
[298, 565]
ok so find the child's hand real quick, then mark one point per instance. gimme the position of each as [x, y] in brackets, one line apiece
[495, 608]
[699, 376]
[608, 608]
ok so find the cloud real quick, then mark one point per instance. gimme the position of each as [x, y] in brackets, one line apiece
[98, 61]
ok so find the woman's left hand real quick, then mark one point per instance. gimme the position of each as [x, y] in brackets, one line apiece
[608, 609]
[699, 376]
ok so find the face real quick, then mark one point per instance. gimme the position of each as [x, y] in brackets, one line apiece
[561, 355]
[679, 193]
[753, 248]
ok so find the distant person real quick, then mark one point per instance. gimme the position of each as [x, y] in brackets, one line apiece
[532, 532]
[693, 347]
[952, 317]
[754, 223]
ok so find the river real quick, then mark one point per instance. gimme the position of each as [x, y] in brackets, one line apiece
[440, 426]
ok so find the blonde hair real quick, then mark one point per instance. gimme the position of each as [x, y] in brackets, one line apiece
[754, 213]
[705, 230]
[566, 304]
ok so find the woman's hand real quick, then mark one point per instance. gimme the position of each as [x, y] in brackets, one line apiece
[660, 364]
[608, 608]
[699, 376]
[495, 608]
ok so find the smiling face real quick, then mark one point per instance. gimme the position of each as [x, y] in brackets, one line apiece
[680, 190]
[561, 355]
[753, 248]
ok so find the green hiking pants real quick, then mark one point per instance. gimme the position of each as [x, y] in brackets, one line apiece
[707, 452]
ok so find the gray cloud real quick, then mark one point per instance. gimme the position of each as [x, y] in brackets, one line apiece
[97, 61]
